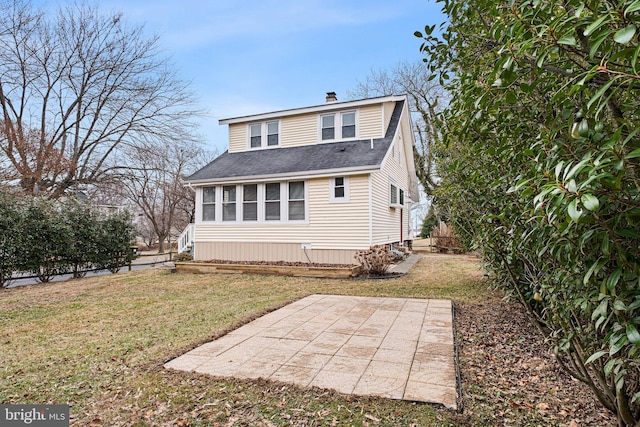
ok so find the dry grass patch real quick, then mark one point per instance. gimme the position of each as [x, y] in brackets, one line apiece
[99, 345]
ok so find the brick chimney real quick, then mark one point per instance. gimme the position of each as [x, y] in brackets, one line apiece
[331, 97]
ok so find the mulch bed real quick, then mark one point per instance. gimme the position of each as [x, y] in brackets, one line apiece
[509, 373]
[277, 263]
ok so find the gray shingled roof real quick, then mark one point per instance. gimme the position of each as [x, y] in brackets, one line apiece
[307, 158]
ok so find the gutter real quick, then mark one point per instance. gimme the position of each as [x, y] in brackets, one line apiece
[300, 175]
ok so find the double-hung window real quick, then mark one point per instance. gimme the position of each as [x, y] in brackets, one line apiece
[264, 134]
[339, 189]
[394, 195]
[328, 127]
[272, 202]
[396, 198]
[229, 203]
[337, 126]
[348, 125]
[255, 135]
[296, 201]
[250, 202]
[209, 204]
[272, 134]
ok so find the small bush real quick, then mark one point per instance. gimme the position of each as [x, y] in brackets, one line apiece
[183, 256]
[375, 261]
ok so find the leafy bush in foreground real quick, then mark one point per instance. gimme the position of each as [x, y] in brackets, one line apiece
[540, 168]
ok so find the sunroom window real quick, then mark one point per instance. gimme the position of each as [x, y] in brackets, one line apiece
[296, 201]
[250, 202]
[272, 201]
[229, 203]
[209, 204]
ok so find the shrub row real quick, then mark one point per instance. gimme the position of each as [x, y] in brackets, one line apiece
[46, 238]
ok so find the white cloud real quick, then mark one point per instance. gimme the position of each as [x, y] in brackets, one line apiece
[188, 25]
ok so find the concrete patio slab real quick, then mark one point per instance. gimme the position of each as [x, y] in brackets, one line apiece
[396, 348]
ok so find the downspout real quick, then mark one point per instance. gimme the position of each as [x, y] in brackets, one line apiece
[370, 212]
[401, 227]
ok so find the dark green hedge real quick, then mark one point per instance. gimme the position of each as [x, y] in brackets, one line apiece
[45, 238]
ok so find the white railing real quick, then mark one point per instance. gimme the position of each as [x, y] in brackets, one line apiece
[185, 241]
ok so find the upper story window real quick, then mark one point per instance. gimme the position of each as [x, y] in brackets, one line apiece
[338, 126]
[328, 127]
[264, 134]
[339, 189]
[349, 125]
[272, 134]
[255, 135]
[394, 195]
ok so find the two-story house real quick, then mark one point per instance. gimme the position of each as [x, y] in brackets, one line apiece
[313, 184]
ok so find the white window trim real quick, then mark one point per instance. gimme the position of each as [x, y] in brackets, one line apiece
[201, 203]
[263, 202]
[332, 193]
[338, 126]
[235, 203]
[242, 202]
[397, 191]
[264, 135]
[305, 200]
[284, 204]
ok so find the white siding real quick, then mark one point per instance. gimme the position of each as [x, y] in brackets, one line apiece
[304, 129]
[333, 230]
[370, 118]
[388, 111]
[386, 220]
[237, 137]
[270, 252]
[299, 130]
[329, 226]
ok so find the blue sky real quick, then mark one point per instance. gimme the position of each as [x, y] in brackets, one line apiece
[253, 56]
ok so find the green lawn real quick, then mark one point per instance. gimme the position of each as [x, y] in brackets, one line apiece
[98, 344]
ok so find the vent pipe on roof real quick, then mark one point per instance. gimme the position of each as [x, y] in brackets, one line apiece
[331, 97]
[372, 143]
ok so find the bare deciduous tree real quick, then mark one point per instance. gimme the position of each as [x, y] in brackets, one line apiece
[76, 89]
[426, 99]
[155, 184]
